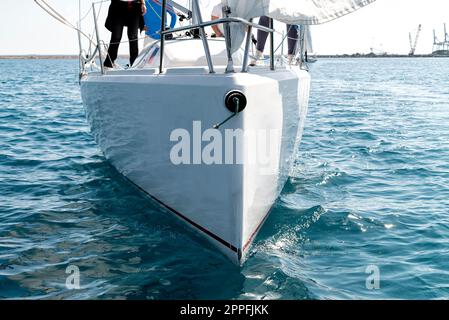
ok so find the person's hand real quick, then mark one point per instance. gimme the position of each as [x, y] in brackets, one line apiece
[144, 9]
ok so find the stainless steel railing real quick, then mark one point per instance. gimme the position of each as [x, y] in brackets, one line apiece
[97, 33]
[226, 21]
[200, 24]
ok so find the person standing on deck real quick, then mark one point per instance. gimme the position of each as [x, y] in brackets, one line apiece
[292, 35]
[124, 13]
[217, 13]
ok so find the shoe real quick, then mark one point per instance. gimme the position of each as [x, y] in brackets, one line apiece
[259, 56]
[114, 67]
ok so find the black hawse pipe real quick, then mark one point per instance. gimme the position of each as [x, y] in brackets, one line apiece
[235, 102]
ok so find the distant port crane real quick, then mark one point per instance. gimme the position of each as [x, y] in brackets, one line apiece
[415, 43]
[441, 48]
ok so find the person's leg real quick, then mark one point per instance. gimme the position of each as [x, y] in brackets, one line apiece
[134, 14]
[262, 35]
[292, 32]
[133, 37]
[116, 37]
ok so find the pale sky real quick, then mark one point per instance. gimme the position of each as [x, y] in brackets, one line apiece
[383, 25]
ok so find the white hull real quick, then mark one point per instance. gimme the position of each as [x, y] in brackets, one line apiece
[133, 113]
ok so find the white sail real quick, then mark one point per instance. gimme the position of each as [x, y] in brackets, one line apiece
[304, 12]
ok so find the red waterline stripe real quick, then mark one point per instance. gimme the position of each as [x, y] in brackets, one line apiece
[255, 232]
[209, 233]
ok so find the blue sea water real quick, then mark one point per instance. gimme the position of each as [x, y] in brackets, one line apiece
[370, 191]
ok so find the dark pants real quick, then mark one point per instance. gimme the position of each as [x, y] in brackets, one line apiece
[130, 17]
[292, 34]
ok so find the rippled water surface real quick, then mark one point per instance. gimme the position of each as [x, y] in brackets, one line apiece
[370, 188]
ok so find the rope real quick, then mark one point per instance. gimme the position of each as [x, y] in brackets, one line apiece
[81, 19]
[56, 15]
[152, 9]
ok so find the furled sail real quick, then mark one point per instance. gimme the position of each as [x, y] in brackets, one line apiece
[308, 40]
[304, 12]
